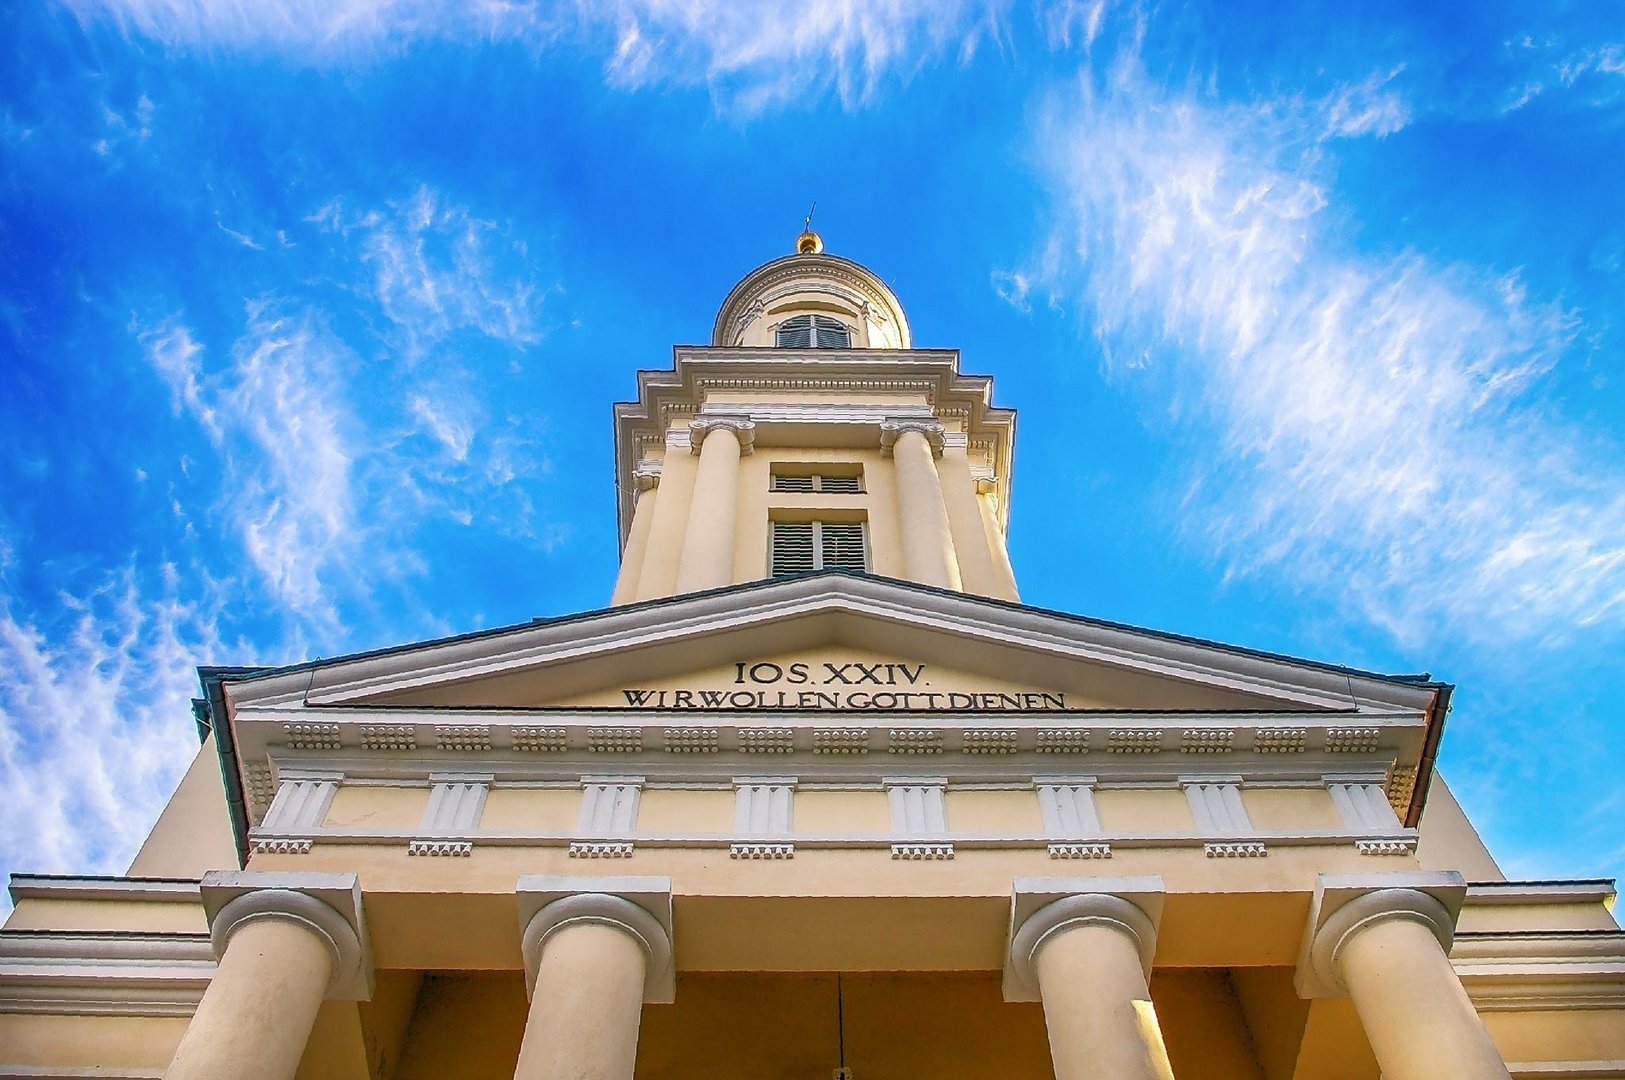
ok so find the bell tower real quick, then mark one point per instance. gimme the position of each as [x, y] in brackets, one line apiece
[811, 435]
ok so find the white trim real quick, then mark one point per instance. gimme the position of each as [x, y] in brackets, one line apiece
[1596, 1069]
[144, 890]
[96, 973]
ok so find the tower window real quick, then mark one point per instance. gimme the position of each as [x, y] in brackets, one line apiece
[845, 484]
[813, 332]
[802, 546]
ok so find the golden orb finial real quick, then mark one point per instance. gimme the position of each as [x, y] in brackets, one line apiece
[809, 242]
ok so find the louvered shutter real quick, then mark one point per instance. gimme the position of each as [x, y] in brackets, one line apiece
[830, 334]
[841, 485]
[792, 483]
[793, 548]
[841, 546]
[795, 333]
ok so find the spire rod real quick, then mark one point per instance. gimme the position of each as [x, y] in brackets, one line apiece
[809, 242]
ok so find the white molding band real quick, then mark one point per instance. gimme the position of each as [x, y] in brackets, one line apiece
[77, 887]
[638, 906]
[1345, 903]
[328, 905]
[104, 973]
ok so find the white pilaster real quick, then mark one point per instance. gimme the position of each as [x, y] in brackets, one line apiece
[1363, 804]
[609, 815]
[919, 817]
[1070, 817]
[1217, 807]
[762, 816]
[453, 813]
[302, 799]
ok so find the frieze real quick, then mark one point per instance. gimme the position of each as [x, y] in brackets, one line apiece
[837, 686]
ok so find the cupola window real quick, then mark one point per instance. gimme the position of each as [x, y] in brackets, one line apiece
[813, 332]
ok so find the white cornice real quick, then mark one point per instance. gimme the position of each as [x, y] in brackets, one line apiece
[672, 396]
[145, 890]
[103, 973]
[896, 611]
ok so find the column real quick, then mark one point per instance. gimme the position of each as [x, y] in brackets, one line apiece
[928, 547]
[646, 478]
[1086, 954]
[596, 949]
[987, 497]
[707, 561]
[284, 946]
[1388, 950]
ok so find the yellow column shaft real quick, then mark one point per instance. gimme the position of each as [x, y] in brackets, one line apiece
[256, 1016]
[585, 1011]
[1097, 1006]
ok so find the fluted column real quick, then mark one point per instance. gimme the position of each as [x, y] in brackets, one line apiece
[1388, 950]
[283, 950]
[928, 546]
[1087, 955]
[647, 479]
[594, 953]
[707, 561]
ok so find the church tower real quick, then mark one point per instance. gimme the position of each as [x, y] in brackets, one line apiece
[815, 796]
[811, 436]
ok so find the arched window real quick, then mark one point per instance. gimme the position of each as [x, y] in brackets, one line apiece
[812, 332]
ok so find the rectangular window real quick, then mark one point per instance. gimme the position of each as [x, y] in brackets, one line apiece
[848, 483]
[802, 546]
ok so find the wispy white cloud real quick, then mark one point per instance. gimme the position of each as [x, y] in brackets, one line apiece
[1597, 69]
[95, 721]
[763, 55]
[751, 55]
[284, 439]
[1370, 107]
[1373, 424]
[336, 448]
[431, 271]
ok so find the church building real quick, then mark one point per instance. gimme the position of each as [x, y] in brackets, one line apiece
[818, 797]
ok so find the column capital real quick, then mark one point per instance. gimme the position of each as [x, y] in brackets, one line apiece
[328, 905]
[638, 906]
[646, 475]
[743, 427]
[1043, 907]
[1346, 903]
[893, 429]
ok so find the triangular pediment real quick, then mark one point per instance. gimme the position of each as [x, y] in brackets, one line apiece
[814, 643]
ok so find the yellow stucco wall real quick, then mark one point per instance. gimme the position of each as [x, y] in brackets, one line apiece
[143, 1043]
[1448, 840]
[994, 813]
[841, 813]
[1144, 810]
[666, 811]
[527, 809]
[1290, 809]
[377, 807]
[193, 834]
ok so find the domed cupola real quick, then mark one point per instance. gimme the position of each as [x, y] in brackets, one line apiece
[811, 300]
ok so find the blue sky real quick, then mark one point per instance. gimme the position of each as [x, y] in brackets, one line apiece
[311, 314]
